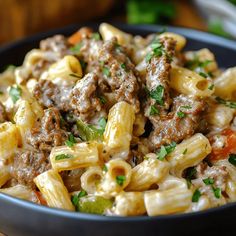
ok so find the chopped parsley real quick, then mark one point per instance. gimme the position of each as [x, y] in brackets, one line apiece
[232, 159]
[102, 100]
[123, 66]
[230, 104]
[211, 87]
[15, 93]
[181, 114]
[165, 150]
[217, 192]
[76, 76]
[102, 123]
[158, 94]
[153, 111]
[120, 179]
[186, 107]
[196, 63]
[157, 50]
[96, 36]
[76, 48]
[63, 156]
[208, 181]
[105, 71]
[185, 151]
[203, 74]
[105, 168]
[75, 198]
[196, 195]
[70, 142]
[190, 174]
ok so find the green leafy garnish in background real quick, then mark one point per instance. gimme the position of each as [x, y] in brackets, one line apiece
[15, 93]
[149, 11]
[216, 27]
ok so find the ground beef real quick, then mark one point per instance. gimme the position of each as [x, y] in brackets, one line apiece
[173, 127]
[219, 174]
[47, 133]
[158, 70]
[84, 98]
[3, 115]
[29, 164]
[51, 95]
[57, 44]
[120, 74]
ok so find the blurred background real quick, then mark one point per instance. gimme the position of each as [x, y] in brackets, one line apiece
[20, 18]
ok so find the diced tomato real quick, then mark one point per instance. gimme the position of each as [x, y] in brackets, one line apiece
[230, 146]
[77, 36]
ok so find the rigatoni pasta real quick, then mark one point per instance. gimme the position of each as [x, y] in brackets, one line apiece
[118, 125]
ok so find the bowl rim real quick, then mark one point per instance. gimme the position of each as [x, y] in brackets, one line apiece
[189, 33]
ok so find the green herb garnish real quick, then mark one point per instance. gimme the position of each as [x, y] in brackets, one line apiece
[102, 99]
[75, 198]
[157, 50]
[232, 159]
[70, 142]
[185, 151]
[203, 74]
[120, 179]
[158, 94]
[208, 181]
[181, 114]
[15, 93]
[217, 192]
[211, 87]
[230, 104]
[196, 195]
[153, 111]
[165, 150]
[186, 107]
[63, 156]
[105, 168]
[76, 48]
[123, 66]
[96, 36]
[190, 175]
[105, 71]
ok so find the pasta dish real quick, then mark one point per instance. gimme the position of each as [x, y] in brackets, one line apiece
[114, 124]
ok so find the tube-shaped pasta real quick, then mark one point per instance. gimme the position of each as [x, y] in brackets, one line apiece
[189, 82]
[147, 173]
[169, 201]
[225, 84]
[139, 124]
[220, 116]
[180, 40]
[129, 204]
[53, 189]
[9, 139]
[189, 153]
[108, 31]
[90, 179]
[116, 178]
[79, 156]
[64, 72]
[24, 118]
[20, 191]
[4, 174]
[119, 128]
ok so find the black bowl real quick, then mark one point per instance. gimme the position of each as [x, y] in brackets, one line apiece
[18, 217]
